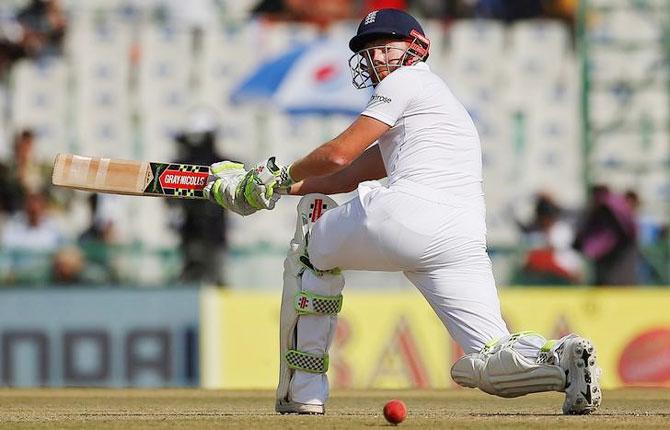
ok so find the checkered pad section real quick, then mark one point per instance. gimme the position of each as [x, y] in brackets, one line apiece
[307, 362]
[308, 303]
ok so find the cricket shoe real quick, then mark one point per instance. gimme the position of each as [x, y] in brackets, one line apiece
[582, 375]
[288, 407]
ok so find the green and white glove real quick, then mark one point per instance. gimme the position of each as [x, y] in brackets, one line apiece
[258, 186]
[238, 190]
[282, 176]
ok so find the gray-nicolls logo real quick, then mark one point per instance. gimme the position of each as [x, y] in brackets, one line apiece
[371, 17]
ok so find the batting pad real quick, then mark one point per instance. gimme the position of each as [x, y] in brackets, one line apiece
[507, 373]
[307, 303]
[312, 363]
[319, 303]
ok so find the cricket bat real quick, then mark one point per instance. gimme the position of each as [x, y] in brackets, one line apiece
[137, 178]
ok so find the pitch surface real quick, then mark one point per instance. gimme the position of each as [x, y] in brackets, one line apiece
[203, 409]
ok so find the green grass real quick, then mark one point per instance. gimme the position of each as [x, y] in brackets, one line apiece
[204, 409]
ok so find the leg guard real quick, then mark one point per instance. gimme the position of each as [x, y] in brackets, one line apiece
[503, 369]
[314, 297]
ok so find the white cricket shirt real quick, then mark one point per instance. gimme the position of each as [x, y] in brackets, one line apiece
[432, 141]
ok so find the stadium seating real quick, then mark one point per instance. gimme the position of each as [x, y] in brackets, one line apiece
[628, 101]
[527, 141]
[5, 148]
[224, 62]
[655, 193]
[475, 50]
[537, 57]
[437, 33]
[40, 102]
[101, 58]
[631, 24]
[128, 81]
[172, 77]
[164, 96]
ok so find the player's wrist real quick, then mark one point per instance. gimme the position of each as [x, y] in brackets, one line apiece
[281, 173]
[290, 180]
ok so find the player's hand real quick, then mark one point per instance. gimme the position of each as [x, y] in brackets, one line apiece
[224, 187]
[257, 187]
[282, 176]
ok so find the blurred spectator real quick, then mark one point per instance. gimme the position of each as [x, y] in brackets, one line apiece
[371, 5]
[34, 31]
[44, 21]
[203, 225]
[271, 8]
[509, 11]
[23, 174]
[102, 228]
[550, 258]
[652, 242]
[632, 199]
[29, 239]
[439, 9]
[565, 10]
[30, 175]
[320, 12]
[325, 12]
[71, 266]
[97, 243]
[32, 228]
[608, 237]
[68, 264]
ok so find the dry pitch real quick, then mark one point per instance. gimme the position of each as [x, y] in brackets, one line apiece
[202, 409]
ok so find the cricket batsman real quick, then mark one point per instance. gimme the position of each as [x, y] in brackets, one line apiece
[428, 222]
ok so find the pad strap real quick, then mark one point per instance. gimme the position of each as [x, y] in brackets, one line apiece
[304, 259]
[496, 344]
[307, 303]
[312, 363]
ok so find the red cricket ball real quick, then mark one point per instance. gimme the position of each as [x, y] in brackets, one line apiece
[395, 411]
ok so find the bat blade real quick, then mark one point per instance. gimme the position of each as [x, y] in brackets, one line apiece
[138, 178]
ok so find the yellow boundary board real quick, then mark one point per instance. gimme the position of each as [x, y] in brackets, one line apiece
[394, 340]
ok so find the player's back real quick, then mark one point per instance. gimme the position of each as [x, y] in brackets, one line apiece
[433, 141]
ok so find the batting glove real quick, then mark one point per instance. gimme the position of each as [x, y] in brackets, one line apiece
[226, 187]
[282, 175]
[258, 187]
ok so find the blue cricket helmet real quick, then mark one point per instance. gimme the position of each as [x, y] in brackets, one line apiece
[390, 22]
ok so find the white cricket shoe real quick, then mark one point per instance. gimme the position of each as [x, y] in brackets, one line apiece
[288, 407]
[582, 375]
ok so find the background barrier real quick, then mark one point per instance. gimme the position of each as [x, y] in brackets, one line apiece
[393, 339]
[99, 337]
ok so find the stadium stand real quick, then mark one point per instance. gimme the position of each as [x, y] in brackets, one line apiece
[129, 74]
[100, 54]
[163, 96]
[40, 102]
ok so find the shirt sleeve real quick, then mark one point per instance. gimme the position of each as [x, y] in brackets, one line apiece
[391, 97]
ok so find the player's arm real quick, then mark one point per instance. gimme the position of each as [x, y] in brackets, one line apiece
[367, 167]
[336, 155]
[253, 190]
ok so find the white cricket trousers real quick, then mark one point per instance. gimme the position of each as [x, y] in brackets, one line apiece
[438, 242]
